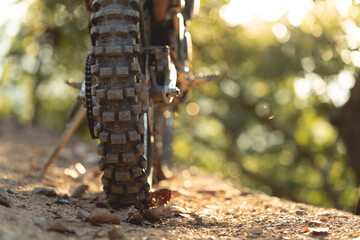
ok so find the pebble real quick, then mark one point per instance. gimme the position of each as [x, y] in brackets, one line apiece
[257, 230]
[42, 222]
[102, 204]
[62, 201]
[3, 191]
[58, 227]
[300, 213]
[82, 214]
[8, 180]
[9, 191]
[207, 221]
[21, 205]
[116, 233]
[5, 201]
[79, 190]
[45, 191]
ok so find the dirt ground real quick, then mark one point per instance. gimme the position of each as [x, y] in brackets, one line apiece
[202, 206]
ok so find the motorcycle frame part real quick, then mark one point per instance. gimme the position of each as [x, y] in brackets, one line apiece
[160, 128]
[163, 120]
[163, 74]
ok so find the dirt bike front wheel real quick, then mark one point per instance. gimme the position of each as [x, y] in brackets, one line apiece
[118, 109]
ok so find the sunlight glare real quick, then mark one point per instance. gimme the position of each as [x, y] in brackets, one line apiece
[192, 109]
[346, 79]
[342, 6]
[355, 58]
[302, 87]
[80, 168]
[11, 13]
[298, 11]
[244, 11]
[338, 95]
[281, 32]
[352, 33]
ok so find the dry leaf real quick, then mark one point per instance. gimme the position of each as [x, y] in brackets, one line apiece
[170, 211]
[160, 197]
[153, 214]
[136, 219]
[324, 219]
[134, 216]
[102, 215]
[124, 214]
[175, 194]
[221, 192]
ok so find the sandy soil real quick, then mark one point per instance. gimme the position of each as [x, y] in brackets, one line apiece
[206, 207]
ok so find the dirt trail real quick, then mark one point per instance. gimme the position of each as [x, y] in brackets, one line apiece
[211, 208]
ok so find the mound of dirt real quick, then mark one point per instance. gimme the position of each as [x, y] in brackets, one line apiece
[202, 206]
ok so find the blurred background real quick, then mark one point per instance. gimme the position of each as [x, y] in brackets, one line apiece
[282, 119]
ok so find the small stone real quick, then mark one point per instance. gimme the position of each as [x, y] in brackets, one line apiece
[10, 191]
[101, 233]
[257, 230]
[8, 180]
[5, 201]
[208, 221]
[42, 222]
[45, 191]
[64, 196]
[198, 220]
[58, 227]
[79, 191]
[300, 213]
[62, 201]
[116, 233]
[102, 204]
[3, 191]
[82, 214]
[20, 205]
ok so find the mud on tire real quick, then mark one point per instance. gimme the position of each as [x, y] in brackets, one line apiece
[118, 107]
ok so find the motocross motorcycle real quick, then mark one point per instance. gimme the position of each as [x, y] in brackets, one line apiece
[136, 75]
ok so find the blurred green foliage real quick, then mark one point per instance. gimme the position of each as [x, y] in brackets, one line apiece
[49, 49]
[265, 123]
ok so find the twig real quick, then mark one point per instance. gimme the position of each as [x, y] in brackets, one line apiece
[71, 127]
